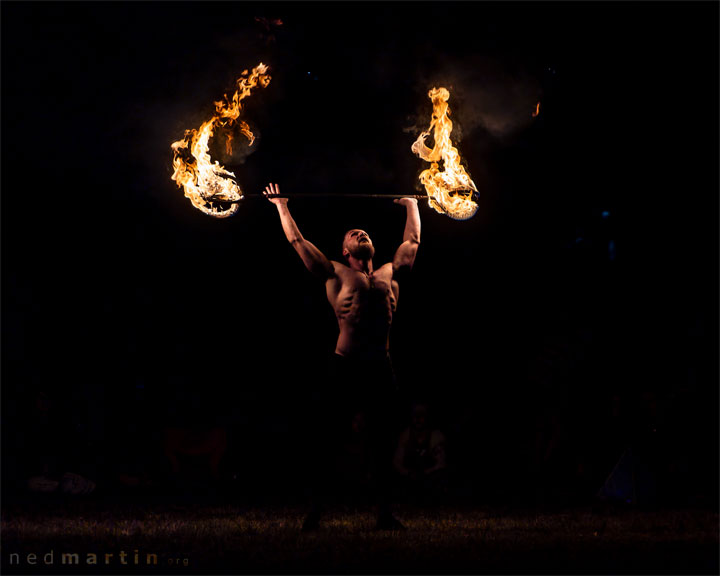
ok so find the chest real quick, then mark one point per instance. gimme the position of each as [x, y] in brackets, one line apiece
[376, 285]
[362, 290]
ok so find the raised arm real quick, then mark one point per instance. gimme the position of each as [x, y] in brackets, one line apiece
[406, 252]
[314, 260]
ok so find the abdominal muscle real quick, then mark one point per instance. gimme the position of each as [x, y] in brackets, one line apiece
[364, 313]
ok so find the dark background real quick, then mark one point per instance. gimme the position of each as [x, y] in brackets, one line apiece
[593, 252]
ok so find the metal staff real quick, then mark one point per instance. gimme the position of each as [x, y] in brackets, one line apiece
[316, 195]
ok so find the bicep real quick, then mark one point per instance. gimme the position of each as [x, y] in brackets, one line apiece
[315, 261]
[405, 255]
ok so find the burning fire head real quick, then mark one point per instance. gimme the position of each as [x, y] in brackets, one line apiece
[450, 190]
[207, 183]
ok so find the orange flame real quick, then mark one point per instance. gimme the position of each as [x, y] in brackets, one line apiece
[202, 179]
[450, 190]
[537, 110]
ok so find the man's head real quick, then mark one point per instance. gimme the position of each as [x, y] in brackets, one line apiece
[357, 244]
[419, 415]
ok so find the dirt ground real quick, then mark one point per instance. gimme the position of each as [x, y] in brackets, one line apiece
[97, 538]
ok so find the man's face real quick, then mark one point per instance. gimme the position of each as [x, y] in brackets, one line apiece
[357, 243]
[419, 417]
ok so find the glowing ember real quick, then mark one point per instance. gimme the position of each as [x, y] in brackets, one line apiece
[205, 182]
[450, 190]
[537, 110]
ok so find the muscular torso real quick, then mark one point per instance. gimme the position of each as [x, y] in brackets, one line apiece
[364, 306]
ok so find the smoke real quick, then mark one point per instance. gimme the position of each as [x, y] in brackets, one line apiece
[485, 94]
[240, 147]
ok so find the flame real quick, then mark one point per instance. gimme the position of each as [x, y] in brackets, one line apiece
[537, 110]
[450, 190]
[202, 179]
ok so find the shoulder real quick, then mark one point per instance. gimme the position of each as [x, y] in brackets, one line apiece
[385, 269]
[340, 272]
[398, 273]
[339, 267]
[404, 436]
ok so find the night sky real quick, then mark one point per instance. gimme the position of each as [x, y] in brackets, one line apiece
[596, 233]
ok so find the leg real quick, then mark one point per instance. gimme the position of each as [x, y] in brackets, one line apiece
[383, 437]
[325, 427]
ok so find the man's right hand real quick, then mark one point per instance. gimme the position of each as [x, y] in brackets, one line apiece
[273, 190]
[406, 201]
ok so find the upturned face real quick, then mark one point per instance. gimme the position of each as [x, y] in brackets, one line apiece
[357, 244]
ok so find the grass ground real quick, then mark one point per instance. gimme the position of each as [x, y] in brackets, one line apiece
[214, 539]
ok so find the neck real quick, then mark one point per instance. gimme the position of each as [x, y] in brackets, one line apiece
[364, 266]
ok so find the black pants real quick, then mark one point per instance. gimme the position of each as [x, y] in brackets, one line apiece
[360, 391]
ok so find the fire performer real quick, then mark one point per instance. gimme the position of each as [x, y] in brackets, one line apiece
[361, 376]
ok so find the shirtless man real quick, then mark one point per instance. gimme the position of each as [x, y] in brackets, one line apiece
[361, 377]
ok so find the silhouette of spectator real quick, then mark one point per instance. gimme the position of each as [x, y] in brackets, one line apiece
[52, 450]
[549, 378]
[204, 446]
[193, 428]
[420, 459]
[194, 440]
